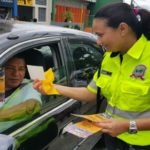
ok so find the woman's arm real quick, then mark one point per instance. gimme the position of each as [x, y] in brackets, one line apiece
[114, 127]
[78, 93]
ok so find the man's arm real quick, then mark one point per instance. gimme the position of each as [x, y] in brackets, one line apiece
[27, 108]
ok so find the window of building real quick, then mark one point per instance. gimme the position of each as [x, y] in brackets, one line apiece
[41, 2]
[42, 14]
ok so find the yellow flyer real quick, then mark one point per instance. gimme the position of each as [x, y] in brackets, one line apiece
[93, 117]
[89, 126]
[85, 128]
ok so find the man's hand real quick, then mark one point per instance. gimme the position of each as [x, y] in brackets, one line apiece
[37, 85]
[25, 109]
[32, 107]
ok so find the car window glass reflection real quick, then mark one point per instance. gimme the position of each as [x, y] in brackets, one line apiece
[21, 100]
[86, 60]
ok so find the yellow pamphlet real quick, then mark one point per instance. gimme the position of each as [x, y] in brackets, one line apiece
[93, 117]
[85, 128]
[48, 83]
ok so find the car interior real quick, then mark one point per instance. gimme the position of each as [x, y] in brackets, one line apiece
[43, 56]
[37, 61]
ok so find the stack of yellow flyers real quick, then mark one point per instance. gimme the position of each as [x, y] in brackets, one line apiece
[86, 127]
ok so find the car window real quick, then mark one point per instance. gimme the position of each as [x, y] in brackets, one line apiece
[47, 56]
[86, 56]
[53, 60]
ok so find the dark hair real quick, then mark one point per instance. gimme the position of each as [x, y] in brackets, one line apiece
[19, 56]
[121, 12]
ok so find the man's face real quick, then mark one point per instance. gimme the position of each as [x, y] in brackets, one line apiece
[14, 72]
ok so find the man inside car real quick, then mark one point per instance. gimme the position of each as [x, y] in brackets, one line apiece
[21, 100]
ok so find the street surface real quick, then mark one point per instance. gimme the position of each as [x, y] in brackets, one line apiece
[71, 142]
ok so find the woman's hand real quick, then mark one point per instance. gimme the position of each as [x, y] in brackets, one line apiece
[113, 127]
[45, 87]
[37, 85]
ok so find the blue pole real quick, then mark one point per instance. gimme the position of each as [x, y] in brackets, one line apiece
[15, 9]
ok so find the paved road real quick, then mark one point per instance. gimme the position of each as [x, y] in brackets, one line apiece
[71, 142]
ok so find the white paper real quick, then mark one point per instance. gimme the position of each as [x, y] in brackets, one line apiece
[36, 72]
[75, 130]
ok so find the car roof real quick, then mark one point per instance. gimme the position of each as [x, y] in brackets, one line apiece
[30, 26]
[22, 31]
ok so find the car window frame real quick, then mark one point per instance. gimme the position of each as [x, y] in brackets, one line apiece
[23, 46]
[83, 40]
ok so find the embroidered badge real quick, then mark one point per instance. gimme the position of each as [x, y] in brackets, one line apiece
[139, 72]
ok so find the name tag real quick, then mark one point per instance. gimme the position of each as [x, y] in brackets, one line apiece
[106, 72]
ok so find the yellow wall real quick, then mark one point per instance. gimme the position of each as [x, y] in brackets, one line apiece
[25, 2]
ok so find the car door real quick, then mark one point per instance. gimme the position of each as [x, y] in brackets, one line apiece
[37, 132]
[56, 53]
[86, 56]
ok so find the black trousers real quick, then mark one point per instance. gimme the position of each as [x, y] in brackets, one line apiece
[117, 144]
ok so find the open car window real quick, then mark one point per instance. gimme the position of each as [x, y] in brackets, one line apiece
[53, 60]
[47, 56]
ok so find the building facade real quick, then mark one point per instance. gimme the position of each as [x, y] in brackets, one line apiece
[35, 10]
[27, 10]
[99, 4]
[71, 12]
[8, 9]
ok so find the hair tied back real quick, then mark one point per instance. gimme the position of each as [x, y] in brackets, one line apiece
[136, 12]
